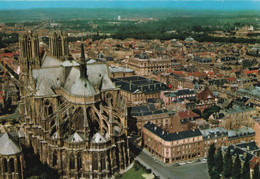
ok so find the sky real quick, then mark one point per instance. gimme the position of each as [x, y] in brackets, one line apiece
[177, 4]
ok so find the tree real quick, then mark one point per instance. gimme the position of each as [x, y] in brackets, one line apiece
[236, 173]
[227, 167]
[219, 161]
[211, 158]
[197, 111]
[256, 174]
[207, 112]
[246, 170]
[214, 175]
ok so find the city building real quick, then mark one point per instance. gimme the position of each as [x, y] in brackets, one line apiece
[190, 144]
[139, 115]
[177, 96]
[136, 89]
[145, 66]
[172, 147]
[120, 72]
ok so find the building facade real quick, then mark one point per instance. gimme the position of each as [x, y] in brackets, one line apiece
[136, 89]
[172, 147]
[144, 66]
[190, 144]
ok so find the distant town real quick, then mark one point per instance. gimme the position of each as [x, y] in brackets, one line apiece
[130, 98]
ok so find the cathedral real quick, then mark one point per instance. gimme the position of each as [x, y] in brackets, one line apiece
[72, 114]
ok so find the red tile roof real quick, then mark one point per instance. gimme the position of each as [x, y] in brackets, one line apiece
[187, 114]
[231, 79]
[178, 72]
[251, 71]
[205, 94]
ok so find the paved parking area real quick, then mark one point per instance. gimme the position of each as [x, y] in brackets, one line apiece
[187, 171]
[193, 170]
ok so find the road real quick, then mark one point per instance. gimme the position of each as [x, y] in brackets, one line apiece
[187, 171]
[167, 171]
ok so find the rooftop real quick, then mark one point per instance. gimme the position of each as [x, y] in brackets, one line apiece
[8, 145]
[138, 84]
[171, 136]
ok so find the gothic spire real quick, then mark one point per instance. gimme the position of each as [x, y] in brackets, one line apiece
[83, 67]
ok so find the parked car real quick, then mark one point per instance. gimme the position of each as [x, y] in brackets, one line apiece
[182, 163]
[176, 164]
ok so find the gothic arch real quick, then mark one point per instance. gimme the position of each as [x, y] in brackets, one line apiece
[5, 165]
[72, 161]
[93, 119]
[54, 158]
[11, 163]
[103, 161]
[94, 161]
[78, 119]
[79, 161]
[48, 109]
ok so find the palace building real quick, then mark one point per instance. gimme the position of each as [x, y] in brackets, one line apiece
[72, 114]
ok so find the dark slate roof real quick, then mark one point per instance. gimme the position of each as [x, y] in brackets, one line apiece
[138, 84]
[184, 92]
[171, 136]
[249, 145]
[238, 151]
[146, 110]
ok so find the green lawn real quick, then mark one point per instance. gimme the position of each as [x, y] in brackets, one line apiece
[134, 173]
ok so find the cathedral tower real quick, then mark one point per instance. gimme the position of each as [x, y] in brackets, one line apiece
[29, 45]
[29, 52]
[58, 44]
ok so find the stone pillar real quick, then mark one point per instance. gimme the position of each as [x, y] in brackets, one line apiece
[76, 167]
[90, 165]
[120, 156]
[99, 166]
[112, 160]
[107, 165]
[125, 156]
[2, 166]
[8, 166]
[22, 164]
[16, 169]
[59, 159]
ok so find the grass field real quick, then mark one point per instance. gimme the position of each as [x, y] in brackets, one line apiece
[134, 173]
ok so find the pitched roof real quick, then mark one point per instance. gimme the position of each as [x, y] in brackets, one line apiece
[50, 61]
[171, 136]
[205, 94]
[47, 79]
[98, 138]
[8, 145]
[187, 114]
[76, 137]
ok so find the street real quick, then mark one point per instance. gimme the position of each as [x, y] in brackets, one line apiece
[167, 171]
[187, 171]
